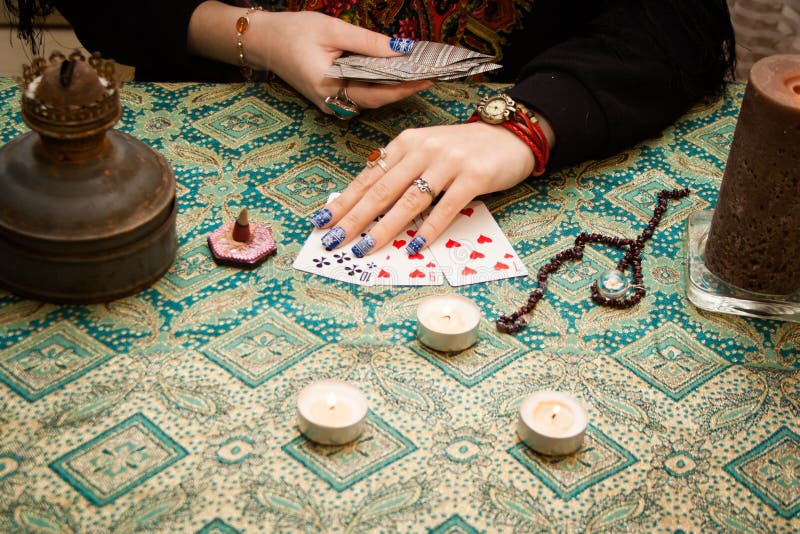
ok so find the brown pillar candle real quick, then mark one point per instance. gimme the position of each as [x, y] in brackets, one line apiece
[754, 238]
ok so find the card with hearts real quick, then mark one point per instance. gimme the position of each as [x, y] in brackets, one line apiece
[474, 249]
[389, 266]
[397, 268]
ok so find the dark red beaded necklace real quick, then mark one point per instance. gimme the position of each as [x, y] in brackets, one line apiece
[633, 258]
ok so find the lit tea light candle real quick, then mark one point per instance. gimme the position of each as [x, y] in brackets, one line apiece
[552, 422]
[448, 323]
[331, 412]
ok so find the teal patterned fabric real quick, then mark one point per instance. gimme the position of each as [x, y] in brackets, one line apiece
[173, 410]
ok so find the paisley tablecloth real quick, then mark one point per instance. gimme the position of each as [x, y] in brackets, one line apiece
[173, 410]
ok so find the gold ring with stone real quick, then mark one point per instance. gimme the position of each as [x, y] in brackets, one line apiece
[342, 105]
[376, 157]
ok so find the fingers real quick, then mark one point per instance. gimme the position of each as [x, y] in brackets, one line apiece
[417, 197]
[372, 172]
[375, 200]
[408, 184]
[365, 95]
[442, 214]
[346, 36]
[464, 161]
[377, 95]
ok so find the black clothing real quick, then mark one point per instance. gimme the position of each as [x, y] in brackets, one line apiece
[605, 73]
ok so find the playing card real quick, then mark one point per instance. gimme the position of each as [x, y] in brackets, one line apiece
[391, 265]
[471, 251]
[339, 264]
[427, 60]
[396, 268]
[478, 69]
[359, 74]
[474, 249]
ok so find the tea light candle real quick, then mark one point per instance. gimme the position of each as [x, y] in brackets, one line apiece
[448, 323]
[331, 412]
[552, 422]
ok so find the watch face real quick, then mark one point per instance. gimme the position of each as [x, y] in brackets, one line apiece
[496, 109]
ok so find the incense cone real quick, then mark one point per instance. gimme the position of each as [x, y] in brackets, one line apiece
[241, 230]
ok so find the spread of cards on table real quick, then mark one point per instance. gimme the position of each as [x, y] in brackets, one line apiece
[426, 61]
[472, 250]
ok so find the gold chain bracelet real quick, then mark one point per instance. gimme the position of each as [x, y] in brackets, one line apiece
[242, 25]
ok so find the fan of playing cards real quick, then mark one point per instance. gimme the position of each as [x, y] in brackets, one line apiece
[426, 61]
[472, 250]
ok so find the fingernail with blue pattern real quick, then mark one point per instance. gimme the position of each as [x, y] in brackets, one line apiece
[361, 248]
[333, 238]
[321, 218]
[401, 44]
[415, 245]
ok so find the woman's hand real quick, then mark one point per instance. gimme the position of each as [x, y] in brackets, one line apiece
[464, 160]
[297, 46]
[300, 46]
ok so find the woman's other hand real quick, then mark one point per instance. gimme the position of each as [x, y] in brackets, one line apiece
[463, 160]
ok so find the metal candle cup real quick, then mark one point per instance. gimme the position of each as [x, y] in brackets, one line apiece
[448, 323]
[552, 423]
[331, 412]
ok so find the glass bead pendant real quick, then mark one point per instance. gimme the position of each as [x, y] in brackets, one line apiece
[612, 284]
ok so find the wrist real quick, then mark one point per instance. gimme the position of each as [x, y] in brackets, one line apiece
[515, 152]
[258, 42]
[516, 118]
[534, 144]
[229, 34]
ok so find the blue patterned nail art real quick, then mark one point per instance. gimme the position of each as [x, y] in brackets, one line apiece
[401, 44]
[361, 248]
[321, 218]
[332, 239]
[415, 245]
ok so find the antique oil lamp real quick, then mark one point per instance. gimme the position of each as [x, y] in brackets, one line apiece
[87, 213]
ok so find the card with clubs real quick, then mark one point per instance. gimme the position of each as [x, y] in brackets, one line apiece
[472, 250]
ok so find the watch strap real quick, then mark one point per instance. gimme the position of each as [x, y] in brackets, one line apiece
[529, 124]
[539, 151]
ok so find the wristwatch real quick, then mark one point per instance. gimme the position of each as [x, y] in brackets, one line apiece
[497, 109]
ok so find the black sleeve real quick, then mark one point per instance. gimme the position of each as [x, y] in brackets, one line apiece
[150, 35]
[626, 74]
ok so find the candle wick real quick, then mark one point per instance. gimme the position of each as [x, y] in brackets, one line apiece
[446, 317]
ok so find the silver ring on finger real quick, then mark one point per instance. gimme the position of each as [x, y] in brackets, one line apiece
[424, 187]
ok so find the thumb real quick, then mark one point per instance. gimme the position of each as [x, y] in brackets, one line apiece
[346, 36]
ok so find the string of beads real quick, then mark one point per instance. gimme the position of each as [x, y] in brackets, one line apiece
[633, 258]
